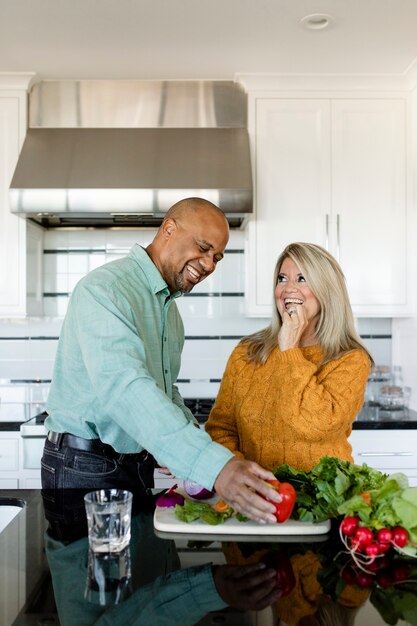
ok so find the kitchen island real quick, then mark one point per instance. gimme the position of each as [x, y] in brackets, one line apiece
[49, 576]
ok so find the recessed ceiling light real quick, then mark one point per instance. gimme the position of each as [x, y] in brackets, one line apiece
[316, 21]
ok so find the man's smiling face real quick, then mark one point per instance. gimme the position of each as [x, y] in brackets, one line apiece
[195, 247]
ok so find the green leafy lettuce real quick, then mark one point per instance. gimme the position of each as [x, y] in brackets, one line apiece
[332, 481]
[192, 510]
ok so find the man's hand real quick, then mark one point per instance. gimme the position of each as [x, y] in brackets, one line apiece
[238, 483]
[247, 587]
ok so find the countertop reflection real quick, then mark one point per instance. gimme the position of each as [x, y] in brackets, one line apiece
[158, 582]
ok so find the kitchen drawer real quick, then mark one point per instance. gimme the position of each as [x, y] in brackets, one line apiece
[9, 483]
[9, 454]
[388, 450]
[32, 452]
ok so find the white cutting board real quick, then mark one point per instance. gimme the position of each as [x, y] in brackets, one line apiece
[166, 521]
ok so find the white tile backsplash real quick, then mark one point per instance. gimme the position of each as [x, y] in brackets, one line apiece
[27, 347]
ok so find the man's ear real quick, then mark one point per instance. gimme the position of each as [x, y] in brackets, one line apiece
[169, 227]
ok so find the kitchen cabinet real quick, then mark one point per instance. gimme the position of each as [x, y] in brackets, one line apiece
[18, 469]
[12, 568]
[9, 459]
[389, 451]
[20, 460]
[332, 171]
[13, 122]
[12, 228]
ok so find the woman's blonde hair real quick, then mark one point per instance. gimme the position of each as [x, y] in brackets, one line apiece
[335, 330]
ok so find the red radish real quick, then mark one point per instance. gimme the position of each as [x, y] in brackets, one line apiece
[383, 547]
[196, 491]
[349, 525]
[348, 575]
[384, 535]
[399, 537]
[372, 549]
[364, 580]
[363, 537]
[385, 579]
[400, 572]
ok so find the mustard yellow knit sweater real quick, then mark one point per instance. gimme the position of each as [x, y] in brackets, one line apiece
[291, 409]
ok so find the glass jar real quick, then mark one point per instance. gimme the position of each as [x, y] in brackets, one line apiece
[380, 373]
[393, 398]
[379, 377]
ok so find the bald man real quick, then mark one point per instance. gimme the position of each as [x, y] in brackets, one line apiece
[113, 406]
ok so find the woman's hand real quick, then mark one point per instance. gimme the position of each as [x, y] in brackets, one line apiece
[294, 323]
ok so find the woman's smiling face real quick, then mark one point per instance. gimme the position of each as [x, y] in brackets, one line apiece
[292, 291]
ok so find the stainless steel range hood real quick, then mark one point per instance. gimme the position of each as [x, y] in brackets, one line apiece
[103, 153]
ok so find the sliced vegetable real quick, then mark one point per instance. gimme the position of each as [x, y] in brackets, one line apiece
[170, 499]
[193, 510]
[221, 506]
[366, 497]
[196, 491]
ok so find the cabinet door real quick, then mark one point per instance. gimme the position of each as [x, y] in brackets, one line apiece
[389, 451]
[12, 228]
[292, 179]
[369, 201]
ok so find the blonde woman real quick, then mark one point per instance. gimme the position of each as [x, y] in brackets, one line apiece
[291, 391]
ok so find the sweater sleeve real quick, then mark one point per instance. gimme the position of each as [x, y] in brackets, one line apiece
[221, 424]
[318, 401]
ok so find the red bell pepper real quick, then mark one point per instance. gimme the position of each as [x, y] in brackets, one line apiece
[284, 508]
[281, 563]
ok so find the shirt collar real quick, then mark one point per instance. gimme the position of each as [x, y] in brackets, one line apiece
[153, 275]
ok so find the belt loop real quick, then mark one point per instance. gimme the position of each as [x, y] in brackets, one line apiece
[120, 458]
[58, 442]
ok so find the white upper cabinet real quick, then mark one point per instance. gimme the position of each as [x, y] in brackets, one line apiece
[332, 171]
[13, 113]
[369, 201]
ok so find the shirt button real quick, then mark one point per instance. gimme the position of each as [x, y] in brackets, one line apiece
[166, 371]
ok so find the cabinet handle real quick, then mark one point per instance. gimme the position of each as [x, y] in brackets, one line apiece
[338, 237]
[385, 454]
[327, 230]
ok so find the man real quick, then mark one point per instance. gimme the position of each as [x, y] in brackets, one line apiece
[113, 400]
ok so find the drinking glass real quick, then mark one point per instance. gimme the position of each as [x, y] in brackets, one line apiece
[108, 518]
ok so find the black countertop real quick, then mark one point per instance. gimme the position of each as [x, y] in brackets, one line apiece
[387, 420]
[173, 583]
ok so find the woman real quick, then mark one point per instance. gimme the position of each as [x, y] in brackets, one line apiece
[291, 391]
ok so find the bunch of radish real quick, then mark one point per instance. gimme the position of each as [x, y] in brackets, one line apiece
[384, 572]
[367, 544]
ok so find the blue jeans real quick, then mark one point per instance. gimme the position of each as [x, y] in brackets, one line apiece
[67, 474]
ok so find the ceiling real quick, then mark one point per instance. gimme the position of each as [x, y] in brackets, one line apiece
[189, 39]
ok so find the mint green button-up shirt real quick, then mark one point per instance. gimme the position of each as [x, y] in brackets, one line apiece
[116, 365]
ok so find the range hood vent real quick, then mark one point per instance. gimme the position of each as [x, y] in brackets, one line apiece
[120, 153]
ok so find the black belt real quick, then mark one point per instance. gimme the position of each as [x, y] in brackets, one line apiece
[96, 446]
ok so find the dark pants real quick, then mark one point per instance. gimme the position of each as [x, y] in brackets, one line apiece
[68, 473]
